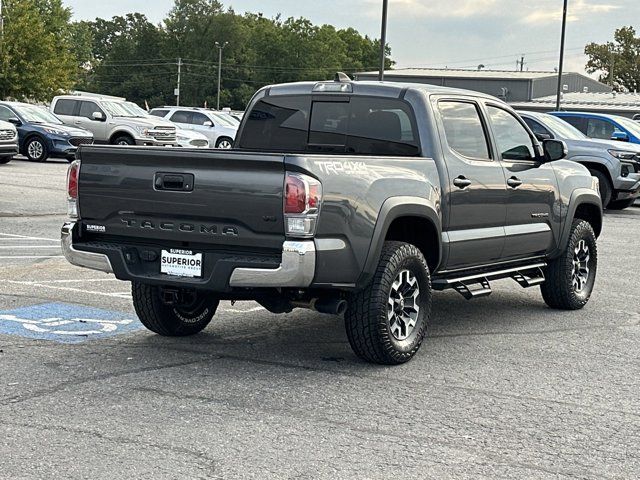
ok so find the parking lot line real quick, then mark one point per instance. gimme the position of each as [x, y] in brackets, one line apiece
[32, 256]
[29, 246]
[27, 237]
[70, 289]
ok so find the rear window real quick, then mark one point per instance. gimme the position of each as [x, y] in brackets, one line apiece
[352, 125]
[65, 107]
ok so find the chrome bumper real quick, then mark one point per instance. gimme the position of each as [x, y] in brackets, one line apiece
[297, 269]
[94, 261]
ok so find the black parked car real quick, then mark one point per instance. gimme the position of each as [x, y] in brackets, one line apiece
[41, 134]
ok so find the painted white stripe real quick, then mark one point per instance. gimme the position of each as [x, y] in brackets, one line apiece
[71, 289]
[28, 237]
[30, 246]
[235, 310]
[84, 280]
[33, 256]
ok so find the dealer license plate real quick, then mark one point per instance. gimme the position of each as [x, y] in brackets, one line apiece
[181, 263]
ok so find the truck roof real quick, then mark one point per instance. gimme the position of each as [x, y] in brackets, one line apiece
[386, 89]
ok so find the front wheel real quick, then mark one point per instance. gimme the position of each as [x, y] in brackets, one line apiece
[386, 322]
[123, 140]
[224, 143]
[571, 277]
[36, 150]
[189, 317]
[605, 187]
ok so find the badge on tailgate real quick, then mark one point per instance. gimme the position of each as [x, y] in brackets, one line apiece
[181, 263]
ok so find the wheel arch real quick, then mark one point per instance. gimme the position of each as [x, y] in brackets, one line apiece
[409, 219]
[600, 167]
[121, 133]
[584, 204]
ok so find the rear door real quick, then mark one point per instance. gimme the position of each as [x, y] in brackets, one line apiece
[476, 186]
[533, 202]
[228, 200]
[182, 118]
[66, 109]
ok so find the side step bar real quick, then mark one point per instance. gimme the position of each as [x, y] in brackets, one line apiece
[477, 285]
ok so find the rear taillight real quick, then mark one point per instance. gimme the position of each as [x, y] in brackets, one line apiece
[73, 174]
[302, 201]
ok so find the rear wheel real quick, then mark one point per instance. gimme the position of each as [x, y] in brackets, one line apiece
[386, 322]
[571, 277]
[188, 317]
[36, 150]
[621, 204]
[606, 189]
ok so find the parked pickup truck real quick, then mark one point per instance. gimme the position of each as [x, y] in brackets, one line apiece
[354, 198]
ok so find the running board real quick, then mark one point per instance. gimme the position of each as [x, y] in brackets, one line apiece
[477, 285]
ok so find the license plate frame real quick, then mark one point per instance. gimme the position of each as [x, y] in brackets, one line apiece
[181, 263]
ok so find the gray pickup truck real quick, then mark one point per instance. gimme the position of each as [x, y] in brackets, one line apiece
[354, 198]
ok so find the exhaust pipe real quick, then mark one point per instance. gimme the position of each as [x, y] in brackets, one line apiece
[330, 306]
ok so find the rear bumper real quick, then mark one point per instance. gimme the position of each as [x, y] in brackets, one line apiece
[222, 271]
[7, 149]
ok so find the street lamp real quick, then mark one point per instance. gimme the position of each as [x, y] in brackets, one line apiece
[220, 47]
[564, 29]
[383, 39]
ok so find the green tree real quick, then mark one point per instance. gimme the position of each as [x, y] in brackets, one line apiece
[35, 57]
[618, 61]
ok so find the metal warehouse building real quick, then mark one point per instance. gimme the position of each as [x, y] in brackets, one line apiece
[625, 104]
[511, 86]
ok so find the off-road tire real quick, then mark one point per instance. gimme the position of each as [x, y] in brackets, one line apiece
[606, 189]
[558, 290]
[168, 320]
[621, 204]
[123, 140]
[5, 159]
[366, 319]
[36, 144]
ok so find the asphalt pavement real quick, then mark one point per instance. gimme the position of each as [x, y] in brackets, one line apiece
[502, 388]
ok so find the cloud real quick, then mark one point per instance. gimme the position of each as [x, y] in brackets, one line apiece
[435, 8]
[577, 9]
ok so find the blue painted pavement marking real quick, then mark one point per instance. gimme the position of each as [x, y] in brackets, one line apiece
[65, 323]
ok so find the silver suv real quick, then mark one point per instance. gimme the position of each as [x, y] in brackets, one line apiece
[220, 130]
[111, 121]
[8, 141]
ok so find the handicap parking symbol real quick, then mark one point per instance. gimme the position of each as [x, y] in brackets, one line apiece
[65, 323]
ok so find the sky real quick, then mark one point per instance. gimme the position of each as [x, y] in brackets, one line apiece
[438, 33]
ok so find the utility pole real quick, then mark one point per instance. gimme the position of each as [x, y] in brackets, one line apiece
[564, 30]
[1, 20]
[521, 62]
[383, 39]
[220, 47]
[177, 92]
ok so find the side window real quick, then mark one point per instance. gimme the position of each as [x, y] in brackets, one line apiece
[513, 140]
[65, 107]
[159, 113]
[278, 123]
[200, 119]
[537, 127]
[181, 116]
[576, 122]
[601, 129]
[463, 129]
[87, 109]
[6, 114]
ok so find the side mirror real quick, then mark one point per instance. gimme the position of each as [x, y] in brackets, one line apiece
[208, 124]
[543, 136]
[620, 136]
[15, 121]
[98, 116]
[554, 150]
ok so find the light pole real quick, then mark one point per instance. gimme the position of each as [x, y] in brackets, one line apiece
[383, 39]
[564, 29]
[220, 47]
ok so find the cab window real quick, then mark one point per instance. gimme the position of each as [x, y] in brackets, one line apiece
[65, 106]
[87, 109]
[6, 114]
[181, 116]
[602, 129]
[512, 139]
[463, 129]
[537, 127]
[200, 119]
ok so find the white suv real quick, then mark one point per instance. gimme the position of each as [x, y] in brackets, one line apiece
[220, 131]
[112, 121]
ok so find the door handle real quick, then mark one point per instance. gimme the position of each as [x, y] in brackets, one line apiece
[514, 182]
[461, 181]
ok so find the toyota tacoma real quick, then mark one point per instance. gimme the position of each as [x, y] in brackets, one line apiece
[354, 198]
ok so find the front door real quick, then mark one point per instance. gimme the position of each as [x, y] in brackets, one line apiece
[533, 203]
[476, 191]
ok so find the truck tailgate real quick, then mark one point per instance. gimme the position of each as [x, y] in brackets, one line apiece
[216, 197]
